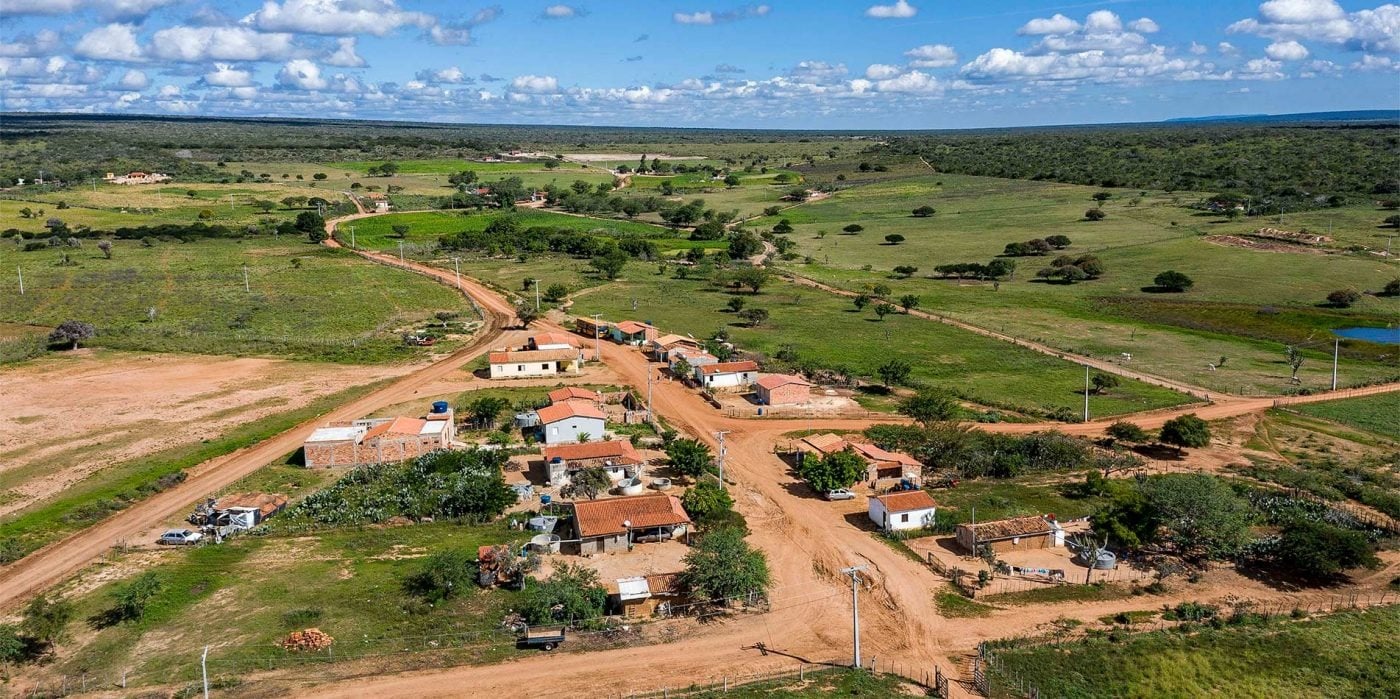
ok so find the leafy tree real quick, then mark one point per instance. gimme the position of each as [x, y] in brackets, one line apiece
[689, 457]
[735, 304]
[46, 620]
[555, 293]
[853, 228]
[833, 471]
[731, 181]
[1319, 550]
[755, 278]
[318, 176]
[797, 194]
[308, 221]
[1128, 432]
[784, 227]
[401, 230]
[879, 290]
[707, 502]
[1393, 220]
[743, 245]
[1104, 382]
[1172, 280]
[884, 309]
[1343, 298]
[1200, 515]
[723, 566]
[72, 333]
[894, 239]
[924, 211]
[14, 647]
[1095, 215]
[129, 601]
[709, 230]
[589, 482]
[571, 593]
[1185, 431]
[316, 235]
[1127, 519]
[861, 301]
[484, 411]
[388, 169]
[526, 312]
[929, 406]
[1392, 288]
[610, 263]
[1102, 197]
[894, 372]
[1059, 242]
[999, 268]
[754, 316]
[908, 302]
[106, 247]
[905, 271]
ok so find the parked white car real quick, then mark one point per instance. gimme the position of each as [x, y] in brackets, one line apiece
[180, 537]
[840, 494]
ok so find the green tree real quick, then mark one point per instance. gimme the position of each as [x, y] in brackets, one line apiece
[707, 502]
[319, 176]
[861, 301]
[1186, 431]
[401, 230]
[689, 457]
[588, 482]
[930, 405]
[755, 278]
[1128, 432]
[72, 333]
[1172, 280]
[833, 471]
[129, 601]
[723, 566]
[731, 181]
[1393, 220]
[853, 228]
[709, 230]
[735, 304]
[924, 211]
[1343, 298]
[308, 221]
[1319, 550]
[894, 372]
[14, 647]
[388, 169]
[743, 245]
[46, 620]
[894, 239]
[754, 316]
[610, 263]
[908, 302]
[1095, 215]
[783, 227]
[571, 593]
[1059, 242]
[1391, 288]
[555, 293]
[880, 290]
[484, 411]
[1102, 197]
[526, 312]
[1104, 382]
[1127, 519]
[905, 271]
[884, 309]
[1200, 514]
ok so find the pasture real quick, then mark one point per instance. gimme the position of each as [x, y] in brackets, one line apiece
[301, 301]
[426, 227]
[1379, 414]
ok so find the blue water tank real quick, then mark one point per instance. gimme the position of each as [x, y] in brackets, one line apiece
[544, 499]
[440, 406]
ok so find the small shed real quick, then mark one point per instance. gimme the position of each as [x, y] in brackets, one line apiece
[782, 389]
[631, 332]
[1016, 534]
[913, 509]
[642, 596]
[560, 395]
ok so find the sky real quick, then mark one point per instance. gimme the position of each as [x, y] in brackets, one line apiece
[795, 64]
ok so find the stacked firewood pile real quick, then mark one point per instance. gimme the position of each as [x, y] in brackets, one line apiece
[308, 640]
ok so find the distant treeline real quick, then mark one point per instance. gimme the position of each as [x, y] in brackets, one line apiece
[505, 235]
[1288, 165]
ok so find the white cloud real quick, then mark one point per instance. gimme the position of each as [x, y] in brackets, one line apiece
[129, 9]
[198, 44]
[345, 55]
[914, 82]
[301, 74]
[900, 10]
[535, 84]
[1058, 24]
[1371, 30]
[560, 12]
[1144, 25]
[41, 7]
[336, 17]
[1226, 48]
[41, 43]
[709, 17]
[451, 74]
[817, 72]
[881, 71]
[1102, 22]
[932, 56]
[1286, 51]
[1198, 49]
[114, 42]
[134, 80]
[1376, 63]
[168, 91]
[225, 75]
[244, 93]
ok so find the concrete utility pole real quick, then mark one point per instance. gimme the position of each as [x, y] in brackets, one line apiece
[246, 288]
[720, 455]
[537, 303]
[650, 414]
[20, 270]
[352, 238]
[597, 338]
[1336, 351]
[854, 572]
[457, 271]
[400, 252]
[1086, 392]
[204, 670]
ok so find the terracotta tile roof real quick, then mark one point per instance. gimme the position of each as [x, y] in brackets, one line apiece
[773, 381]
[664, 583]
[399, 425]
[874, 453]
[556, 339]
[666, 340]
[906, 501]
[533, 356]
[1009, 528]
[570, 408]
[620, 450]
[605, 517]
[574, 393]
[729, 367]
[825, 443]
[632, 327]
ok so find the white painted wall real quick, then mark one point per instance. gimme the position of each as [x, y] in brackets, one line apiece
[899, 521]
[567, 431]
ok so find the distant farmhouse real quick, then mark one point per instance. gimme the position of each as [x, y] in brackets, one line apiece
[136, 178]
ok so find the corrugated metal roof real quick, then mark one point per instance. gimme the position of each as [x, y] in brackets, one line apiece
[336, 434]
[632, 588]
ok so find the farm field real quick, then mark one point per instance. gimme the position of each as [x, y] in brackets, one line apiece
[305, 301]
[1342, 654]
[1379, 414]
[1109, 316]
[826, 328]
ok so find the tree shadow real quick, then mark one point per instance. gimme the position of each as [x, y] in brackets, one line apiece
[1153, 289]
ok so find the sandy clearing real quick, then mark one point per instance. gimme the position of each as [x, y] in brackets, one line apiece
[130, 405]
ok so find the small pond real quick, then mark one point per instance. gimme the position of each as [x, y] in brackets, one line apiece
[1381, 336]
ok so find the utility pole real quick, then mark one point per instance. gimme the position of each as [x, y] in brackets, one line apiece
[650, 415]
[537, 304]
[457, 270]
[720, 459]
[400, 252]
[246, 289]
[21, 279]
[1336, 350]
[352, 238]
[597, 339]
[204, 670]
[1086, 392]
[854, 572]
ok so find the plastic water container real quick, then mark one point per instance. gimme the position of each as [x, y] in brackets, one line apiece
[544, 499]
[440, 406]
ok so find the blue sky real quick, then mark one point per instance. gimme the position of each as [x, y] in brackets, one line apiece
[781, 64]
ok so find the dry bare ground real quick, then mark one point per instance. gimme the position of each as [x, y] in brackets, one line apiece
[67, 416]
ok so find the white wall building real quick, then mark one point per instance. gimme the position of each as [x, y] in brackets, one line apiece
[570, 421]
[912, 509]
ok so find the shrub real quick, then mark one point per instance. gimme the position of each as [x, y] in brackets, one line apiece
[444, 574]
[1095, 215]
[571, 593]
[707, 502]
[129, 601]
[1319, 550]
[1343, 298]
[1172, 280]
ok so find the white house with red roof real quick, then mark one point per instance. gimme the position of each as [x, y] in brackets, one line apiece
[911, 509]
[534, 363]
[571, 421]
[727, 374]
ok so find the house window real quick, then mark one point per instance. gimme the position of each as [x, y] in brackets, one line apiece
[904, 517]
[520, 367]
[544, 366]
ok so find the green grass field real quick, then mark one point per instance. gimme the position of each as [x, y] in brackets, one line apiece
[978, 216]
[826, 328]
[305, 301]
[1379, 413]
[425, 228]
[994, 499]
[1349, 654]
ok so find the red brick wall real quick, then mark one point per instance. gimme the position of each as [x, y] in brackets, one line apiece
[786, 395]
